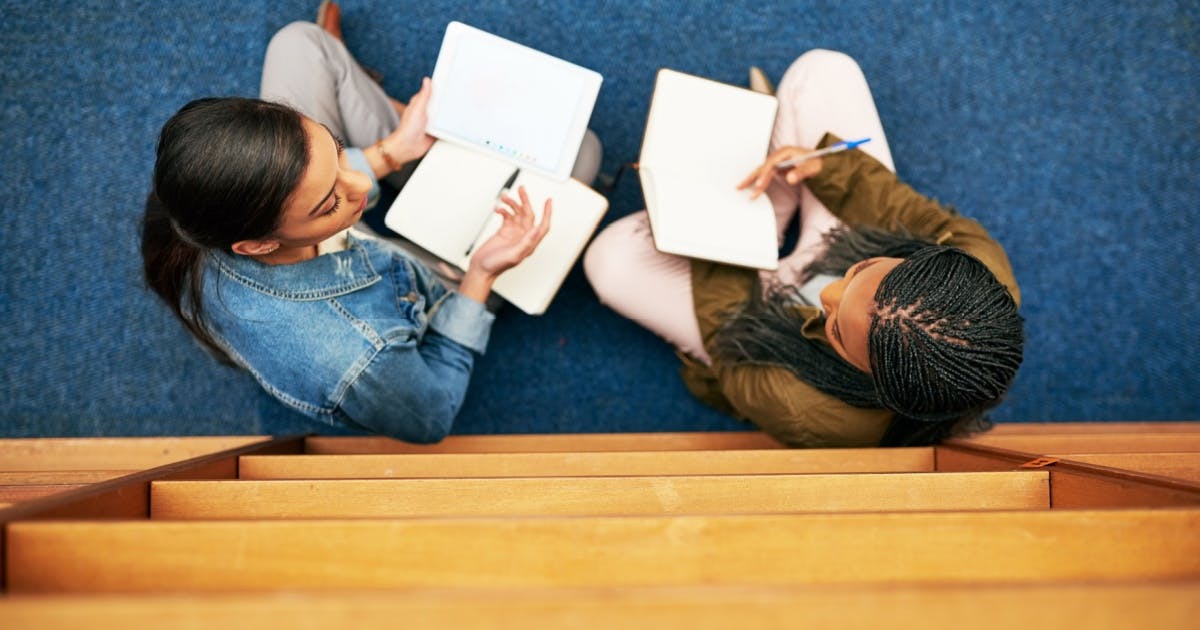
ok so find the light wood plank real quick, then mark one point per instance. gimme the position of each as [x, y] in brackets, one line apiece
[1176, 465]
[1091, 428]
[1082, 443]
[592, 496]
[959, 547]
[1164, 606]
[33, 454]
[42, 477]
[451, 465]
[549, 443]
[27, 492]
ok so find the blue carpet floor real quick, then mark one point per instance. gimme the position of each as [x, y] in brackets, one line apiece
[1069, 129]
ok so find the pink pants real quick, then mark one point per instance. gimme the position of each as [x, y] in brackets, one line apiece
[823, 91]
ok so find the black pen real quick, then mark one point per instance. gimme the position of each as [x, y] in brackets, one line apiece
[512, 179]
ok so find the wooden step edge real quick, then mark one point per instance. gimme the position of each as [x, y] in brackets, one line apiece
[1165, 605]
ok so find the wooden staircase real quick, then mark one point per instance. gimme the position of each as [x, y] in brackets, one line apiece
[1091, 525]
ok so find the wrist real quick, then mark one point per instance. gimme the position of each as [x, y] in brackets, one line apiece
[476, 284]
[390, 157]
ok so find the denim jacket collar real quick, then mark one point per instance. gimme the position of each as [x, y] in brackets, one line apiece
[320, 278]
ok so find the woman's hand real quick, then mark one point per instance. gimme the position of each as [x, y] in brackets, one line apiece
[758, 180]
[516, 239]
[409, 141]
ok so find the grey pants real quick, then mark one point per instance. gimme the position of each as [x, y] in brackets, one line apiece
[310, 70]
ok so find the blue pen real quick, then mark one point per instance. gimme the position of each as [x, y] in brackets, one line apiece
[833, 148]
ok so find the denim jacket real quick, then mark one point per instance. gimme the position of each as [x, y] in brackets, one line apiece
[367, 337]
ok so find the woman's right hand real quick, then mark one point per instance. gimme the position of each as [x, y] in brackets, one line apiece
[761, 177]
[409, 141]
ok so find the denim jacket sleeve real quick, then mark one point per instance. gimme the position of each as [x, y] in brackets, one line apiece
[411, 390]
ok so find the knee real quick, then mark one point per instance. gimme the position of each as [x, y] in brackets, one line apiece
[607, 262]
[813, 62]
[826, 58]
[587, 164]
[296, 36]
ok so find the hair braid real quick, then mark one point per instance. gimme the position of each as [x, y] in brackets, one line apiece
[945, 339]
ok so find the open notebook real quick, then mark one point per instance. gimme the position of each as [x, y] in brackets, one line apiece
[499, 107]
[447, 208]
[702, 138]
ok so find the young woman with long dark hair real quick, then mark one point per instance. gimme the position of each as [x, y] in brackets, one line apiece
[893, 322]
[249, 238]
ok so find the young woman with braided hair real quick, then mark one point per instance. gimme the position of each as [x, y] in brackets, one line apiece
[893, 322]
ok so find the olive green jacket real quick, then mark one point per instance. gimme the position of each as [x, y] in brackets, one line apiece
[858, 190]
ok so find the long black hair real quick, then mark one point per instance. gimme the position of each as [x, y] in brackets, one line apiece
[945, 338]
[224, 169]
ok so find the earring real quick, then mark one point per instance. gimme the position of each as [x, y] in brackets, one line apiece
[273, 248]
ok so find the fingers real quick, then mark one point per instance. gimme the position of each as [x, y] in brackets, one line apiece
[521, 211]
[526, 213]
[423, 94]
[758, 180]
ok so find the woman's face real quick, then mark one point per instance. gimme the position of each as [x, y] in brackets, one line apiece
[848, 305]
[330, 198]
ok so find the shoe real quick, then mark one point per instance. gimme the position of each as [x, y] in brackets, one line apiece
[759, 81]
[329, 18]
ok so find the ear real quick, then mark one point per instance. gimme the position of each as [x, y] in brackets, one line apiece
[256, 247]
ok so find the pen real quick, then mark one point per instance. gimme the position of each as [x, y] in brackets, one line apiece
[512, 179]
[833, 148]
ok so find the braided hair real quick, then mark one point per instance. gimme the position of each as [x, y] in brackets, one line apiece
[945, 338]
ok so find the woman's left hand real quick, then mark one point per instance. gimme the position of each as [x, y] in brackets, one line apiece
[409, 141]
[516, 239]
[761, 177]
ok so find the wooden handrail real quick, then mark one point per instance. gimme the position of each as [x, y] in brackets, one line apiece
[1073, 484]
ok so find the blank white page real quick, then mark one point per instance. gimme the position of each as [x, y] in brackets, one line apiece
[705, 127]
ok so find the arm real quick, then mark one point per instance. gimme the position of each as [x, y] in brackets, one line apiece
[411, 390]
[413, 387]
[796, 413]
[860, 191]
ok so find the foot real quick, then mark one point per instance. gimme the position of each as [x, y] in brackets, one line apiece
[759, 81]
[329, 18]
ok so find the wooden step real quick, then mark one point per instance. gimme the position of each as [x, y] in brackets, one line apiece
[591, 496]
[1163, 606]
[27, 492]
[958, 547]
[49, 454]
[609, 464]
[1041, 444]
[43, 477]
[549, 443]
[1176, 465]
